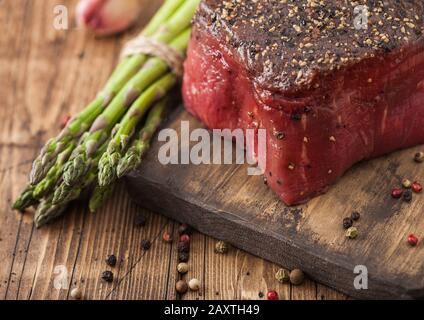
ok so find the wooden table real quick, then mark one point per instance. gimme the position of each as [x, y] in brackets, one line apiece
[46, 74]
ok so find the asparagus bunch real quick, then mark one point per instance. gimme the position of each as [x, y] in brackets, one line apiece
[120, 77]
[55, 203]
[129, 97]
[102, 142]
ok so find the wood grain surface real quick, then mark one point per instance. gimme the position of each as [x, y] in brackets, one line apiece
[46, 74]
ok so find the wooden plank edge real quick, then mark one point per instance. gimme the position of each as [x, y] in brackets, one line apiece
[185, 209]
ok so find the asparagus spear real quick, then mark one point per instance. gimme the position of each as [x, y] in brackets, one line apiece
[132, 158]
[99, 196]
[25, 199]
[46, 211]
[153, 69]
[119, 142]
[122, 74]
[65, 193]
[54, 174]
[51, 208]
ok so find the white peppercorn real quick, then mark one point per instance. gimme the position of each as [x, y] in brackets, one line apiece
[76, 293]
[194, 284]
[182, 267]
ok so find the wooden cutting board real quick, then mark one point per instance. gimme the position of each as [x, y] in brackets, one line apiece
[224, 202]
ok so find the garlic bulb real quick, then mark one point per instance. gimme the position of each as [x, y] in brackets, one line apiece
[107, 17]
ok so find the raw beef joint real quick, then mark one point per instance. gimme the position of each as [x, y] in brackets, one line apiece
[331, 84]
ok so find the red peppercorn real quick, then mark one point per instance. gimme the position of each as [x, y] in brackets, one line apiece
[65, 121]
[272, 295]
[166, 237]
[397, 193]
[185, 238]
[412, 240]
[416, 187]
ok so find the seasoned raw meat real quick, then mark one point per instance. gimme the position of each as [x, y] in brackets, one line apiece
[328, 94]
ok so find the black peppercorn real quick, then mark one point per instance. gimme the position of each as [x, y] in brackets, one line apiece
[183, 246]
[307, 109]
[355, 215]
[296, 117]
[181, 287]
[183, 256]
[140, 220]
[260, 294]
[347, 223]
[107, 276]
[407, 196]
[146, 244]
[419, 157]
[279, 135]
[111, 260]
[184, 229]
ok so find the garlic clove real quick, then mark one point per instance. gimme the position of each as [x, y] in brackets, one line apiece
[107, 17]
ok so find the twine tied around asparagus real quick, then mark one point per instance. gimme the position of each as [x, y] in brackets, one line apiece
[151, 47]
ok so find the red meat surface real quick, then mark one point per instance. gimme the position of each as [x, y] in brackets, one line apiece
[316, 129]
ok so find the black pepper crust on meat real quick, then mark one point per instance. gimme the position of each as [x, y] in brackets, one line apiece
[286, 43]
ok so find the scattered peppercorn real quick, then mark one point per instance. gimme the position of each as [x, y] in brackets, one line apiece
[260, 294]
[183, 247]
[347, 223]
[181, 287]
[107, 276]
[279, 135]
[183, 256]
[296, 116]
[76, 294]
[166, 237]
[185, 238]
[140, 220]
[182, 268]
[397, 193]
[406, 183]
[416, 187]
[297, 277]
[194, 284]
[272, 295]
[412, 240]
[352, 232]
[282, 275]
[221, 247]
[407, 196]
[111, 260]
[146, 244]
[355, 215]
[419, 157]
[184, 229]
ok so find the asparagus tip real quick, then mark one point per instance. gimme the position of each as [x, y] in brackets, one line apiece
[25, 199]
[75, 170]
[107, 168]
